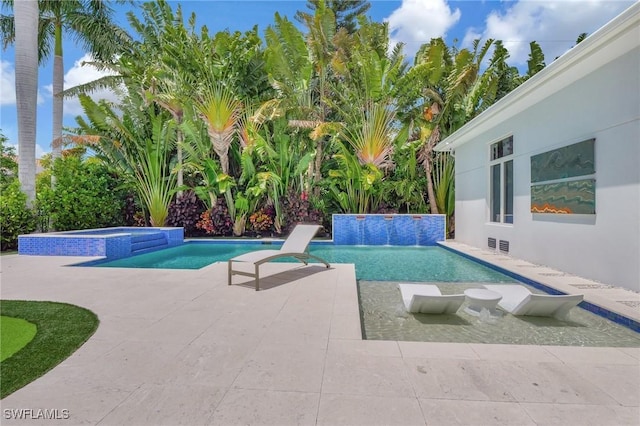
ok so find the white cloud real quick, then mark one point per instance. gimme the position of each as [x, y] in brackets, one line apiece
[416, 22]
[8, 84]
[555, 25]
[82, 74]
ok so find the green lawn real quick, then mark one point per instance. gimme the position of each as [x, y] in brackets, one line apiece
[61, 329]
[15, 333]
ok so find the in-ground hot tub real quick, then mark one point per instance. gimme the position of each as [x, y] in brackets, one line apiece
[112, 243]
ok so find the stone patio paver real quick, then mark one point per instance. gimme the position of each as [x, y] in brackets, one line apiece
[182, 347]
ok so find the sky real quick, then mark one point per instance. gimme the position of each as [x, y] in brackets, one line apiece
[554, 24]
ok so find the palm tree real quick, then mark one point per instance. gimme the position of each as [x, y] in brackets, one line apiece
[353, 185]
[137, 142]
[299, 70]
[220, 110]
[375, 70]
[406, 183]
[372, 137]
[536, 63]
[26, 24]
[452, 92]
[88, 21]
[276, 161]
[346, 12]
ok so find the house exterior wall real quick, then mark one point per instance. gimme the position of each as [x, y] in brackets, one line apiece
[605, 105]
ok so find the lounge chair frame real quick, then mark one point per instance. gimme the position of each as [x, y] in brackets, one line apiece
[259, 257]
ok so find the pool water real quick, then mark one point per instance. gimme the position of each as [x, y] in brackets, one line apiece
[379, 269]
[185, 256]
[385, 318]
[372, 262]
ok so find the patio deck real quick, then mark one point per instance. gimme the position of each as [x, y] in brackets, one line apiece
[182, 347]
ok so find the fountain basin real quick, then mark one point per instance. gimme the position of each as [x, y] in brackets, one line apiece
[386, 229]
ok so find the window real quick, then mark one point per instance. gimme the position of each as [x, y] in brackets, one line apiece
[501, 193]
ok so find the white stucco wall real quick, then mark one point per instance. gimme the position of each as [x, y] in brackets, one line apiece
[604, 105]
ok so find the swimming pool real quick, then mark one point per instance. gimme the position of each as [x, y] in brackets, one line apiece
[380, 268]
[372, 262]
[383, 317]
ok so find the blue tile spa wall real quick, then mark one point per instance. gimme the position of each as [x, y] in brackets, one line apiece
[113, 243]
[51, 245]
[388, 229]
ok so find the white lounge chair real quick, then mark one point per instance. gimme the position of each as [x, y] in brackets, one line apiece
[296, 246]
[427, 299]
[518, 300]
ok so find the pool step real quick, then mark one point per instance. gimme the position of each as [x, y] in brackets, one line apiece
[148, 241]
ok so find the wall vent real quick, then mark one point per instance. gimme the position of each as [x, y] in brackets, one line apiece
[491, 242]
[504, 246]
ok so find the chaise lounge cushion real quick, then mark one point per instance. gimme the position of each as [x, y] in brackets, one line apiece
[427, 299]
[518, 300]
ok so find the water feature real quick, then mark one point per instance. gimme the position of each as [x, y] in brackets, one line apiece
[416, 227]
[388, 229]
[360, 221]
[388, 220]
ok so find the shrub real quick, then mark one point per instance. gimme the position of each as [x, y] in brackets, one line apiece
[8, 164]
[261, 221]
[297, 209]
[44, 197]
[205, 223]
[15, 217]
[139, 219]
[130, 209]
[216, 221]
[85, 196]
[384, 208]
[185, 211]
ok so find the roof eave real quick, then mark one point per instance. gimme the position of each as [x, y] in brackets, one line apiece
[620, 35]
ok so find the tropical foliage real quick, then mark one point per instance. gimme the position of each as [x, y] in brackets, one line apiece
[8, 163]
[139, 145]
[86, 194]
[231, 133]
[15, 217]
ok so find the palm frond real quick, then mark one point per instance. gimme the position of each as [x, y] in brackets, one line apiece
[372, 140]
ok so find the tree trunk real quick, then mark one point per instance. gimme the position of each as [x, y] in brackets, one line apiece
[58, 87]
[430, 193]
[177, 117]
[26, 57]
[220, 142]
[180, 173]
[317, 173]
[426, 158]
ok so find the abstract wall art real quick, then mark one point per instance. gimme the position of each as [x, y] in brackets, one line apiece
[554, 187]
[566, 162]
[573, 197]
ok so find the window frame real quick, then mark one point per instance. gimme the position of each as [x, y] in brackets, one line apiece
[501, 155]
